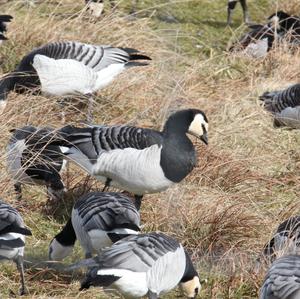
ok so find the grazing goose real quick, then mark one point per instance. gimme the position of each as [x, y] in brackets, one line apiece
[31, 159]
[286, 238]
[4, 19]
[231, 7]
[134, 159]
[282, 280]
[147, 264]
[12, 238]
[284, 105]
[66, 68]
[97, 220]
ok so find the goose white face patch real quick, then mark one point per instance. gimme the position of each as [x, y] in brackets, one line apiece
[275, 22]
[96, 8]
[192, 287]
[196, 128]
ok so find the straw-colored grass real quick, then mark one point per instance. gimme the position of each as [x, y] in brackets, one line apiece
[246, 181]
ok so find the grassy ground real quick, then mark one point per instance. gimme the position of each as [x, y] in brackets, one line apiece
[246, 180]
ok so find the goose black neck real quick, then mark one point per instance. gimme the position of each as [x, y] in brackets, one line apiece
[67, 236]
[190, 271]
[6, 85]
[178, 123]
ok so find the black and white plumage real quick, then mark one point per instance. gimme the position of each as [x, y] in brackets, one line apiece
[260, 39]
[135, 159]
[31, 159]
[97, 220]
[12, 238]
[285, 240]
[4, 19]
[284, 105]
[231, 7]
[257, 42]
[67, 68]
[282, 280]
[148, 264]
[287, 26]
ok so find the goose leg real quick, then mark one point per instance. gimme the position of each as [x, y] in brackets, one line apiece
[90, 108]
[231, 6]
[152, 295]
[20, 266]
[18, 190]
[245, 11]
[133, 6]
[138, 201]
[107, 184]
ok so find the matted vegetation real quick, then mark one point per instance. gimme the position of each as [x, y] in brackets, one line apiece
[247, 179]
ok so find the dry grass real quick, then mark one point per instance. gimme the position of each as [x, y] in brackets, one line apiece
[247, 178]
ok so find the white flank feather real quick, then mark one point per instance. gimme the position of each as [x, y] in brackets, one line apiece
[64, 76]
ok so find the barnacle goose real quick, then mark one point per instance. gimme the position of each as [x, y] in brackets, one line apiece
[146, 264]
[97, 220]
[12, 238]
[31, 159]
[66, 68]
[4, 19]
[231, 7]
[282, 280]
[135, 159]
[286, 239]
[284, 105]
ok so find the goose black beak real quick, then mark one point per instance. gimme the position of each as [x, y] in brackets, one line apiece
[204, 138]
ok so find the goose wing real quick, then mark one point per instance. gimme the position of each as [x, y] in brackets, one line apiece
[95, 57]
[283, 279]
[107, 211]
[277, 101]
[137, 253]
[92, 141]
[11, 221]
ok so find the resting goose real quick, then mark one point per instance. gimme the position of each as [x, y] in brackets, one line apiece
[31, 159]
[145, 265]
[231, 7]
[282, 280]
[68, 68]
[12, 238]
[97, 220]
[4, 19]
[284, 105]
[135, 159]
[286, 238]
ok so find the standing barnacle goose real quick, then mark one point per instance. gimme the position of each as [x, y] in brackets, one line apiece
[12, 238]
[284, 105]
[97, 220]
[286, 238]
[31, 159]
[147, 264]
[138, 160]
[282, 280]
[4, 19]
[66, 68]
[231, 7]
